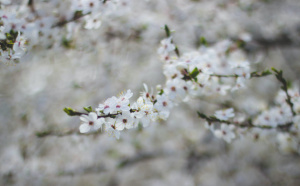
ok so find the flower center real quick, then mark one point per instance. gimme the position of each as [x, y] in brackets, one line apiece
[125, 121]
[91, 123]
[165, 103]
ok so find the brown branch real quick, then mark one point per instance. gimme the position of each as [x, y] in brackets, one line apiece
[77, 15]
[142, 156]
[83, 170]
[46, 133]
[247, 124]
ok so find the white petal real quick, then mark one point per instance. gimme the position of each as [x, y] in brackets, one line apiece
[145, 122]
[93, 116]
[97, 125]
[84, 128]
[84, 118]
[117, 134]
[120, 126]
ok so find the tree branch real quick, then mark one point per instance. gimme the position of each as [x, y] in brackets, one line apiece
[248, 124]
[77, 15]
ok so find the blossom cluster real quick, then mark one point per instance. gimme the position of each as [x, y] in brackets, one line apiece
[47, 24]
[279, 118]
[200, 72]
[117, 113]
[188, 76]
[212, 70]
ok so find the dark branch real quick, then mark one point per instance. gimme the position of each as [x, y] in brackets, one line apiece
[247, 124]
[77, 15]
[280, 78]
[46, 133]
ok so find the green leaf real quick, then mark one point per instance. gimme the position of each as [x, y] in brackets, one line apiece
[203, 41]
[274, 69]
[168, 32]
[194, 73]
[177, 51]
[266, 73]
[88, 109]
[69, 111]
[289, 84]
[161, 92]
[66, 43]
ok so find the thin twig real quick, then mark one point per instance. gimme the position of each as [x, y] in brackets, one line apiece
[77, 15]
[46, 133]
[249, 124]
[280, 78]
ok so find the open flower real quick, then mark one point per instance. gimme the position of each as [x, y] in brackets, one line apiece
[225, 132]
[124, 121]
[224, 114]
[166, 46]
[123, 101]
[109, 105]
[112, 129]
[163, 103]
[90, 123]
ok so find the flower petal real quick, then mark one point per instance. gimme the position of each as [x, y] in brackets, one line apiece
[84, 128]
[93, 116]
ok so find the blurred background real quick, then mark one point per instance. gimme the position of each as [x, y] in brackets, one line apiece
[40, 144]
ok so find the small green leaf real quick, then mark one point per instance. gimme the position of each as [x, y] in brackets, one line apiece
[274, 69]
[69, 111]
[203, 41]
[88, 109]
[266, 73]
[66, 43]
[289, 84]
[177, 51]
[161, 92]
[194, 73]
[168, 32]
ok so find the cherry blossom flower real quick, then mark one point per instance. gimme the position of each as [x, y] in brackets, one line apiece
[109, 105]
[166, 46]
[93, 22]
[163, 103]
[90, 123]
[125, 120]
[225, 132]
[224, 114]
[112, 129]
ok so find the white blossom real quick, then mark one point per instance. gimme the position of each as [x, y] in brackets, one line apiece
[90, 123]
[224, 114]
[226, 132]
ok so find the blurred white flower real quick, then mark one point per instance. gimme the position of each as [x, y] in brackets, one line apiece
[225, 132]
[166, 46]
[93, 21]
[109, 105]
[224, 114]
[112, 129]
